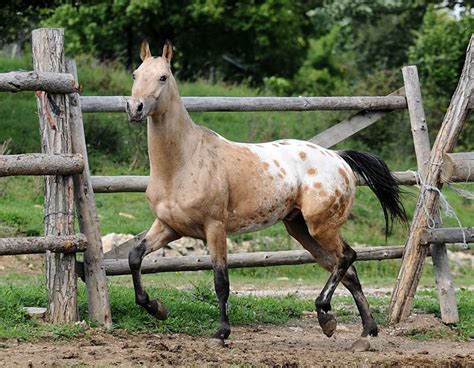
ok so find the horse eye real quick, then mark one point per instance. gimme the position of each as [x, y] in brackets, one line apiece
[163, 78]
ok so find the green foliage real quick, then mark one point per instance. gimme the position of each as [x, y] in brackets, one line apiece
[439, 53]
[18, 16]
[235, 39]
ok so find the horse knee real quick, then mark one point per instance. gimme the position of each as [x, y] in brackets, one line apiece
[135, 256]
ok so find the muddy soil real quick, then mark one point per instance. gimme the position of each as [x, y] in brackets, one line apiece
[299, 344]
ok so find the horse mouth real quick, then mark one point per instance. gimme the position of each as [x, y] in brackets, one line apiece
[136, 118]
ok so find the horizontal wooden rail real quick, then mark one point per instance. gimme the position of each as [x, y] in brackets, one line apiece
[41, 164]
[201, 104]
[448, 235]
[33, 245]
[37, 81]
[116, 184]
[239, 260]
[458, 167]
[115, 267]
[457, 171]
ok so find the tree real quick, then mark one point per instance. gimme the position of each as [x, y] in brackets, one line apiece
[18, 17]
[439, 53]
[238, 39]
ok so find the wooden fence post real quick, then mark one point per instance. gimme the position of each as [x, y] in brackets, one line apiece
[53, 113]
[446, 293]
[412, 263]
[94, 271]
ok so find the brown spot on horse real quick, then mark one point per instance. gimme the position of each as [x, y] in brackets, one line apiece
[344, 175]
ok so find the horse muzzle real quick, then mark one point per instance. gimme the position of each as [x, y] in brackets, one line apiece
[136, 109]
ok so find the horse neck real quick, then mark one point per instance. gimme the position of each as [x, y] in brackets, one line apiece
[172, 140]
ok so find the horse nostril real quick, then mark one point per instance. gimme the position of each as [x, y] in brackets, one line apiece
[140, 107]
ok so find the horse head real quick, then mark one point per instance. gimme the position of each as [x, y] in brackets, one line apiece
[153, 84]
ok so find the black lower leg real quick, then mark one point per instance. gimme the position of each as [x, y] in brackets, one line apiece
[221, 284]
[323, 302]
[154, 307]
[352, 283]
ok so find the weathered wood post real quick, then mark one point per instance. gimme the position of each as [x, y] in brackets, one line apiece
[419, 127]
[412, 263]
[94, 271]
[53, 113]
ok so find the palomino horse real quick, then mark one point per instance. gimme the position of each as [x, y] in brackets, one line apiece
[204, 186]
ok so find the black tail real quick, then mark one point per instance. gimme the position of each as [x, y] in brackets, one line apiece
[376, 174]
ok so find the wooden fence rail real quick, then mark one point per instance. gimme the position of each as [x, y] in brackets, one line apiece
[240, 260]
[41, 164]
[130, 183]
[115, 267]
[42, 244]
[37, 81]
[201, 104]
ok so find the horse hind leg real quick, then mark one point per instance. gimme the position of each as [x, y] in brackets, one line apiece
[158, 236]
[298, 229]
[344, 259]
[352, 283]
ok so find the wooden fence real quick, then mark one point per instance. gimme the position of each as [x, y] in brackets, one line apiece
[65, 166]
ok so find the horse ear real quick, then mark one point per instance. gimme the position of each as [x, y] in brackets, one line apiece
[145, 52]
[167, 51]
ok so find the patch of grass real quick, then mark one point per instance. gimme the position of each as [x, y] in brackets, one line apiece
[194, 310]
[427, 301]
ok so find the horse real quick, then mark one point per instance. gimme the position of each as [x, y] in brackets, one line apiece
[205, 186]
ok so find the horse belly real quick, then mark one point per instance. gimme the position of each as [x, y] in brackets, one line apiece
[262, 208]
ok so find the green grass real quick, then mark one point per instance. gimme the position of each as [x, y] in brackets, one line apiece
[194, 311]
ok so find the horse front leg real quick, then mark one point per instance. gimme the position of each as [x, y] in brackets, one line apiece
[158, 236]
[217, 243]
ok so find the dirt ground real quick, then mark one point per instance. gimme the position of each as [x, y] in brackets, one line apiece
[298, 344]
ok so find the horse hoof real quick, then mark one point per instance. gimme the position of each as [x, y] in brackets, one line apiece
[360, 345]
[157, 310]
[217, 342]
[222, 333]
[328, 323]
[371, 330]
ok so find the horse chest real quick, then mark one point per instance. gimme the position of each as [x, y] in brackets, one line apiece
[183, 209]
